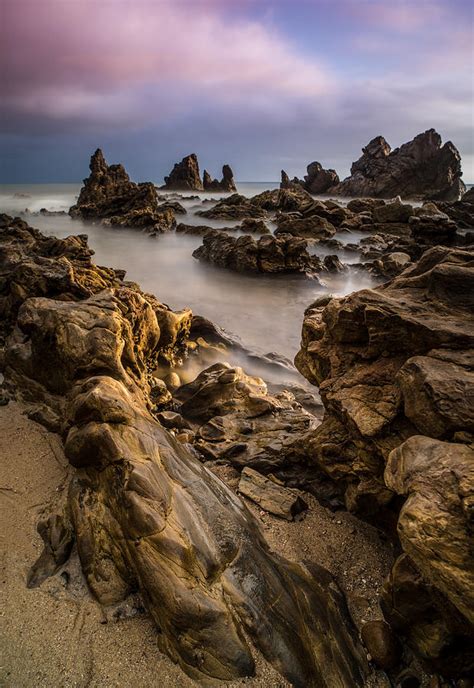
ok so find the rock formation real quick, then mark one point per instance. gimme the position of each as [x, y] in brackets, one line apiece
[226, 185]
[146, 515]
[316, 181]
[108, 195]
[185, 176]
[394, 369]
[269, 254]
[421, 168]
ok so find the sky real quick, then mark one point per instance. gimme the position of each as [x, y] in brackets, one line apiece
[259, 84]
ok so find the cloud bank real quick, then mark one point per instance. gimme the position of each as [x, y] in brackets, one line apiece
[228, 80]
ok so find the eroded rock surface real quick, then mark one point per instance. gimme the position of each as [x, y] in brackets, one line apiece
[110, 196]
[394, 368]
[269, 254]
[146, 514]
[316, 181]
[421, 168]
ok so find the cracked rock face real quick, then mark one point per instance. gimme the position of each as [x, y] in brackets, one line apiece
[394, 369]
[421, 168]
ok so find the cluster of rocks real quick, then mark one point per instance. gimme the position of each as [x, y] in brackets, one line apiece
[421, 168]
[394, 370]
[185, 176]
[108, 195]
[84, 346]
[282, 254]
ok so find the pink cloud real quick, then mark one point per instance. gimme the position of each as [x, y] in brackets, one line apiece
[63, 56]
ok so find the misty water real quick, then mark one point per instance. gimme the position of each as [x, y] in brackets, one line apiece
[264, 312]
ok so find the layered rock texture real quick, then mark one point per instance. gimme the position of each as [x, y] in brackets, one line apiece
[422, 168]
[269, 254]
[146, 515]
[109, 196]
[394, 366]
[185, 176]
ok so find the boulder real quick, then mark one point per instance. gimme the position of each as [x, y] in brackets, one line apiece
[271, 496]
[269, 254]
[314, 226]
[382, 644]
[234, 207]
[421, 168]
[316, 181]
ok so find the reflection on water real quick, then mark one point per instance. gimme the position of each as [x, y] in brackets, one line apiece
[265, 312]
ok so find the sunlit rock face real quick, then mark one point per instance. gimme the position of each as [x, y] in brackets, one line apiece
[394, 370]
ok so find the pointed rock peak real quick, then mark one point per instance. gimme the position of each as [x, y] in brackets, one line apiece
[98, 163]
[377, 148]
[227, 173]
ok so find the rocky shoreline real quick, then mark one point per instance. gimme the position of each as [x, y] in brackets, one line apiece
[175, 455]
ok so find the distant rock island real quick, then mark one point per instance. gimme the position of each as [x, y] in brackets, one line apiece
[185, 176]
[421, 168]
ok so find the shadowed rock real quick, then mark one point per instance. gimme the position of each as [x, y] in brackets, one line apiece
[421, 168]
[109, 195]
[185, 175]
[269, 254]
[316, 181]
[227, 183]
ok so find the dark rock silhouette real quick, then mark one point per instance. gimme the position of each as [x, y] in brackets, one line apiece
[226, 184]
[108, 195]
[185, 176]
[421, 168]
[316, 181]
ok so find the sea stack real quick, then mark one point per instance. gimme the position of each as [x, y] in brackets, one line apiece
[185, 176]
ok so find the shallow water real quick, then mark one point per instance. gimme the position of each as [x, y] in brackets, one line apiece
[266, 313]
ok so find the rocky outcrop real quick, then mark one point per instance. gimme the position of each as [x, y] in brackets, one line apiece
[269, 254]
[109, 196]
[316, 181]
[394, 369]
[185, 176]
[226, 185]
[421, 168]
[235, 207]
[145, 514]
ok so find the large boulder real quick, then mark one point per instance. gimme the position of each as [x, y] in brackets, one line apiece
[421, 168]
[269, 254]
[316, 181]
[109, 196]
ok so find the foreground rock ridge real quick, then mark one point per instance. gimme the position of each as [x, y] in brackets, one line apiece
[421, 168]
[394, 366]
[82, 346]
